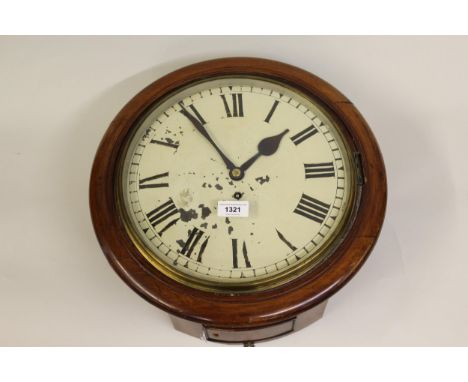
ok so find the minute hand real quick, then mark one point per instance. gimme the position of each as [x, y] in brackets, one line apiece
[203, 132]
[267, 146]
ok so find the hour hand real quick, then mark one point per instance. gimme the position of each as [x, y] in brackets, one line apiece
[196, 122]
[267, 146]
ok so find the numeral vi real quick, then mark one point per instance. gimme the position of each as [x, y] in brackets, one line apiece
[235, 260]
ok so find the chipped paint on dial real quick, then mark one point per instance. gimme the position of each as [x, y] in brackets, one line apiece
[293, 213]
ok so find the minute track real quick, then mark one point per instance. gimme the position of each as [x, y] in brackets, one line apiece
[286, 272]
[200, 246]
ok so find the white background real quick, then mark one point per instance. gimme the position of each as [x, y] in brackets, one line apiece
[57, 97]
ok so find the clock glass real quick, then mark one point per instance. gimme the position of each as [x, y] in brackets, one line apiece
[236, 183]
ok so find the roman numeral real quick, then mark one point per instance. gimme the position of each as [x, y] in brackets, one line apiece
[165, 143]
[235, 263]
[193, 114]
[272, 110]
[312, 209]
[161, 214]
[146, 182]
[191, 243]
[319, 170]
[237, 105]
[304, 134]
[285, 241]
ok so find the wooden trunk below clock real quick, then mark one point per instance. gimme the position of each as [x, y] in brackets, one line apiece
[249, 336]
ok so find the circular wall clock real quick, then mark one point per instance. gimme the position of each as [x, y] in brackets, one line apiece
[238, 195]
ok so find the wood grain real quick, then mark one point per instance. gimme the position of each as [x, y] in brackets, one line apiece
[248, 310]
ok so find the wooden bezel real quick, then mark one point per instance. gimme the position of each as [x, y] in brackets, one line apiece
[259, 308]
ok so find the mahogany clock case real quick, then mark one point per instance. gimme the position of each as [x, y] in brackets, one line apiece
[257, 309]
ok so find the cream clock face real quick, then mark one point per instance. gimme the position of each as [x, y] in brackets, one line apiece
[236, 140]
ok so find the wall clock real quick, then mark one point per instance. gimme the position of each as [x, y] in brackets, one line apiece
[238, 195]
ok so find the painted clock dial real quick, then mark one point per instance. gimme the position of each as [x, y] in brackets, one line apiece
[236, 139]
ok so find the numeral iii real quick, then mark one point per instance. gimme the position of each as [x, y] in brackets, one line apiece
[319, 170]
